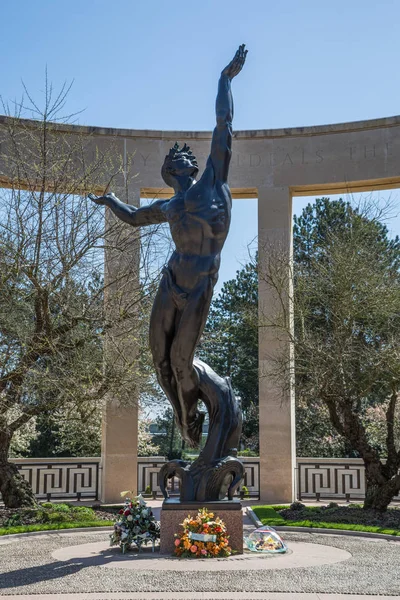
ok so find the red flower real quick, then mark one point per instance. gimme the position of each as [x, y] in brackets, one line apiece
[121, 512]
[127, 512]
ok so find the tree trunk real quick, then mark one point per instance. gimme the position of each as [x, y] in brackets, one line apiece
[379, 495]
[15, 491]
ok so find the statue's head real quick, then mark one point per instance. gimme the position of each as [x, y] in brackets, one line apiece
[180, 167]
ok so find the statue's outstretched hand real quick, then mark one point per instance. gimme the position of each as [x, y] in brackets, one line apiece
[102, 200]
[236, 65]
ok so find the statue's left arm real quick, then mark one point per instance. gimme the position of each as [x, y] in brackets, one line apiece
[220, 156]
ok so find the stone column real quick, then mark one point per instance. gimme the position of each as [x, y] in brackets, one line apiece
[276, 393]
[120, 419]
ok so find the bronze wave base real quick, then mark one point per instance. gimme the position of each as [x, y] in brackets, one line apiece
[203, 482]
[217, 472]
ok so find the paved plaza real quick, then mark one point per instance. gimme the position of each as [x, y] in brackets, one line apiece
[200, 596]
[80, 565]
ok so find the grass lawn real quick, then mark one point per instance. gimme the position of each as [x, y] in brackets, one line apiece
[350, 518]
[48, 517]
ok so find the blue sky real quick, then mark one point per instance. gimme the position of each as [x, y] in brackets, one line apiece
[155, 64]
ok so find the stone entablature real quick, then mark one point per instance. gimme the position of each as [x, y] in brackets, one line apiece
[339, 156]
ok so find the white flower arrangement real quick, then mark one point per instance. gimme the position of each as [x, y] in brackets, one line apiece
[137, 525]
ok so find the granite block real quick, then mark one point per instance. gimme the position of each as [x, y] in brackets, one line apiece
[171, 523]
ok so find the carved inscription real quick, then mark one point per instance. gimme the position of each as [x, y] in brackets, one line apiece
[371, 151]
[283, 156]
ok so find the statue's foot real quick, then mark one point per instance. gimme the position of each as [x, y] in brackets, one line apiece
[194, 429]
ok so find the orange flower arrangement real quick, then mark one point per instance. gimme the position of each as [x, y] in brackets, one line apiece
[203, 537]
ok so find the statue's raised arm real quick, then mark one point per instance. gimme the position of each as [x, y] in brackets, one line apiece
[222, 137]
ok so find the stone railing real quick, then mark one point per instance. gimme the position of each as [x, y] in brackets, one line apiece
[331, 479]
[62, 478]
[80, 478]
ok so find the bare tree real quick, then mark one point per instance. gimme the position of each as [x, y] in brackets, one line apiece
[52, 318]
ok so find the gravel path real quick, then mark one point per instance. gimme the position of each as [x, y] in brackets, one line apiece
[26, 567]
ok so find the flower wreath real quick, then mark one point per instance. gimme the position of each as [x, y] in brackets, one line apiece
[137, 525]
[203, 537]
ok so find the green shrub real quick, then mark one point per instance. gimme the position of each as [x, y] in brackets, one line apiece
[247, 452]
[245, 491]
[56, 517]
[49, 514]
[82, 513]
[83, 510]
[64, 508]
[13, 521]
[54, 506]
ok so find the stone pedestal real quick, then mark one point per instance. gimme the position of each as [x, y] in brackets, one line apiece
[173, 512]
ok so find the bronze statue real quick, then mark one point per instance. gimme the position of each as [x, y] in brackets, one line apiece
[199, 217]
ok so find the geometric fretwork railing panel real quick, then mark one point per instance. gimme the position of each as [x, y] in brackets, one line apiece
[329, 478]
[252, 475]
[62, 478]
[148, 469]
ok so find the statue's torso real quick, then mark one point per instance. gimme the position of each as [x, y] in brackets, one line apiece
[199, 222]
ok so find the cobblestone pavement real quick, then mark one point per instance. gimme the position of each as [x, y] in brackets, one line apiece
[199, 596]
[27, 567]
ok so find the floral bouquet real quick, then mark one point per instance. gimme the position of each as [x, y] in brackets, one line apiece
[203, 537]
[137, 525]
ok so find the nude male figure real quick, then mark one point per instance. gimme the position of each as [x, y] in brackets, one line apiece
[199, 216]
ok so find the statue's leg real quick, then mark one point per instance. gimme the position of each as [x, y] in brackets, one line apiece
[161, 334]
[190, 324]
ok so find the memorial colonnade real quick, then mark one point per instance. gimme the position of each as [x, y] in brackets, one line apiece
[273, 166]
